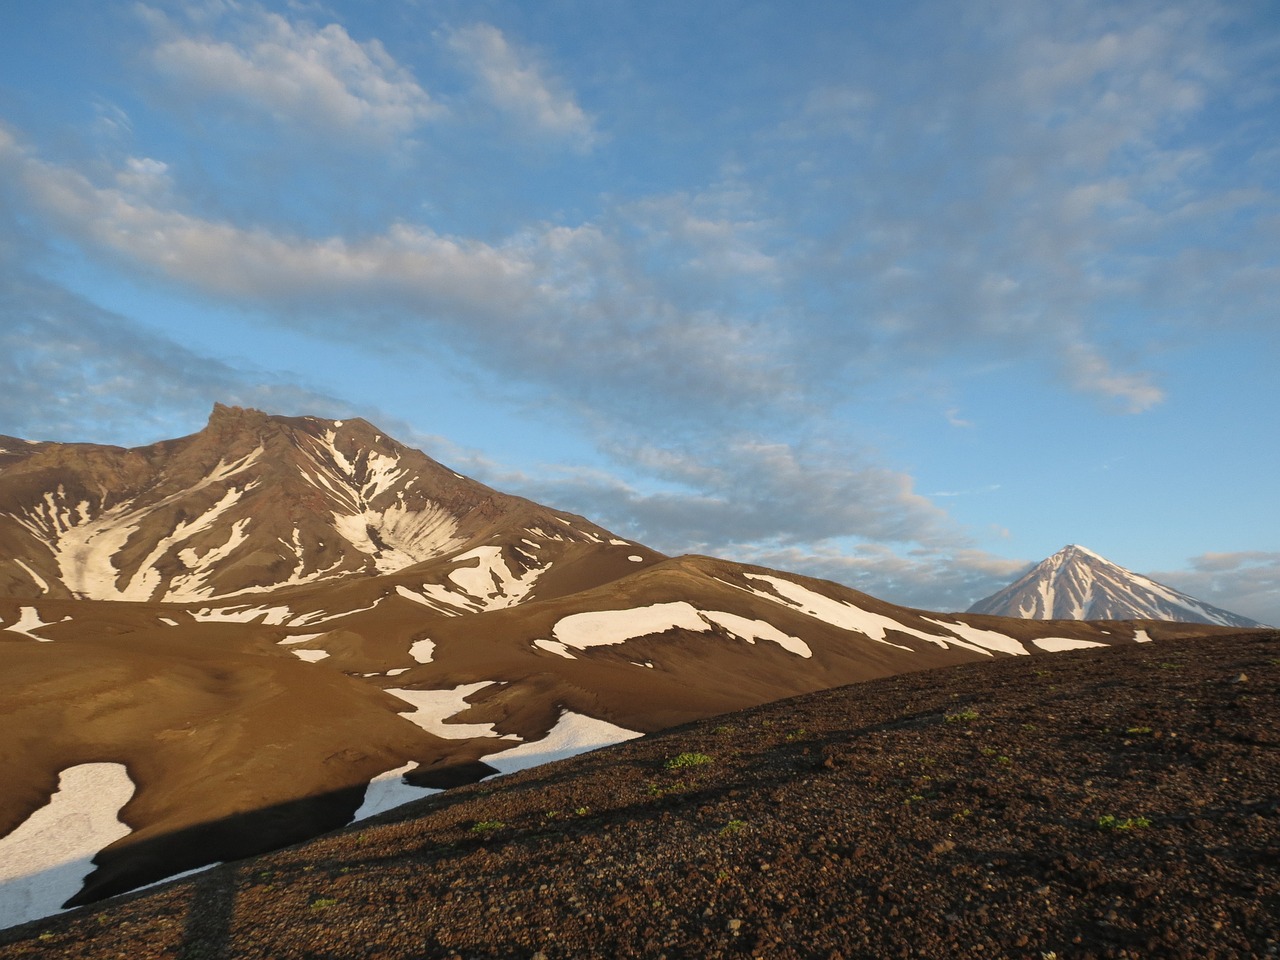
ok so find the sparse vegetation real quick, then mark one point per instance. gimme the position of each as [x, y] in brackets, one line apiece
[487, 826]
[962, 716]
[681, 760]
[1136, 730]
[732, 827]
[321, 903]
[1112, 822]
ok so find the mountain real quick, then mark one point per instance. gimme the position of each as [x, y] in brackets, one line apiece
[1077, 584]
[219, 644]
[1107, 803]
[251, 503]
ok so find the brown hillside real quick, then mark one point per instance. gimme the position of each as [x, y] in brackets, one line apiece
[1114, 802]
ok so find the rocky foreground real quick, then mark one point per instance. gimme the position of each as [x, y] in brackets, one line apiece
[1118, 802]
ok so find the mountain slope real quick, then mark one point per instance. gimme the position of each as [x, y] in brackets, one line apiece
[1077, 584]
[265, 629]
[1106, 803]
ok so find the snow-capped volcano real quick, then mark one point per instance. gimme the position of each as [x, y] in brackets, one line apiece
[1077, 584]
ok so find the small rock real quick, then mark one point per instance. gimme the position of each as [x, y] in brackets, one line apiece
[1242, 677]
[944, 846]
[733, 925]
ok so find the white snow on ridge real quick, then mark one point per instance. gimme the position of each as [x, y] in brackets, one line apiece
[43, 863]
[753, 630]
[985, 640]
[602, 627]
[835, 612]
[311, 656]
[422, 650]
[606, 627]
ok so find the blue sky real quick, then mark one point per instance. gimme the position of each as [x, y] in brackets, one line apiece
[906, 295]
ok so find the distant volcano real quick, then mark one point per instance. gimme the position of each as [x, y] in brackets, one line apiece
[1077, 584]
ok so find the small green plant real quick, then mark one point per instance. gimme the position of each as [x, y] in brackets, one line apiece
[732, 827]
[797, 733]
[1132, 730]
[964, 814]
[322, 903]
[487, 826]
[688, 760]
[914, 798]
[582, 811]
[1004, 761]
[962, 716]
[723, 728]
[1170, 666]
[658, 790]
[1111, 822]
[551, 814]
[987, 751]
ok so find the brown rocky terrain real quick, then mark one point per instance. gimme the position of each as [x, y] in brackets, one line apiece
[1109, 802]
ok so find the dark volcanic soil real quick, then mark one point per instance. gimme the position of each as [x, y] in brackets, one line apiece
[1121, 802]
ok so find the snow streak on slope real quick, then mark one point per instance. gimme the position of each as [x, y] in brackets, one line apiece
[44, 862]
[607, 627]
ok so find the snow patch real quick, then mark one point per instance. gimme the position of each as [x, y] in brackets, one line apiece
[573, 733]
[634, 559]
[601, 627]
[311, 656]
[1058, 644]
[986, 639]
[433, 707]
[422, 650]
[28, 620]
[44, 862]
[554, 646]
[389, 790]
[494, 585]
[753, 630]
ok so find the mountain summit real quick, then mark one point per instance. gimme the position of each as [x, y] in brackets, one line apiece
[1077, 584]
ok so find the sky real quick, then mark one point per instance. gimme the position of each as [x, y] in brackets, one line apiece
[907, 295]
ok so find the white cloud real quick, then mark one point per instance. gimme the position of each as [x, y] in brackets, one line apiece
[317, 78]
[515, 82]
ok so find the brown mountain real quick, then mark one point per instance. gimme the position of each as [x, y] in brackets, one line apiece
[259, 631]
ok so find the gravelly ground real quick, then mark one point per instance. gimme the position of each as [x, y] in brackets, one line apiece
[1121, 802]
